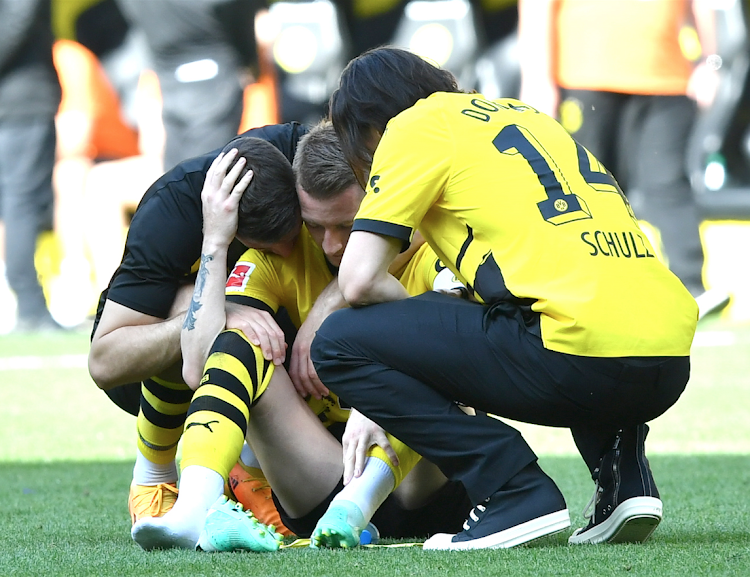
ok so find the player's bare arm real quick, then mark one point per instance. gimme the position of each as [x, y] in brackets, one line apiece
[363, 276]
[130, 346]
[301, 370]
[206, 315]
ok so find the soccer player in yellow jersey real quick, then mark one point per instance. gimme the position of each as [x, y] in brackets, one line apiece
[577, 324]
[240, 394]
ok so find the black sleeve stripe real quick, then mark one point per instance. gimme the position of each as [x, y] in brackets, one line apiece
[250, 302]
[398, 231]
[221, 407]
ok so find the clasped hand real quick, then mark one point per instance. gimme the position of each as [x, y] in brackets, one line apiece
[361, 433]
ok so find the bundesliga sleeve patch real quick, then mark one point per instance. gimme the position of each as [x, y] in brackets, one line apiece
[239, 276]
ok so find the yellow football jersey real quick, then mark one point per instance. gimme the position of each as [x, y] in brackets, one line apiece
[268, 281]
[522, 213]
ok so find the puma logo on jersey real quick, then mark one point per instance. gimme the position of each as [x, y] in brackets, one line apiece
[207, 425]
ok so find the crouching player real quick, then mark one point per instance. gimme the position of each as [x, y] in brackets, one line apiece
[239, 394]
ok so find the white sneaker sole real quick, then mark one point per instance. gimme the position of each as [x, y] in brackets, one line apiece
[632, 521]
[152, 533]
[523, 533]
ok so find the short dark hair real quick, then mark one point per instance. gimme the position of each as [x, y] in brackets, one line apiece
[319, 163]
[373, 88]
[269, 209]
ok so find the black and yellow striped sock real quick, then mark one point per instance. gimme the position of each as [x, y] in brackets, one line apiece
[164, 407]
[234, 378]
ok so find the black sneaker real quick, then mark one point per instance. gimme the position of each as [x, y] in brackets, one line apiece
[527, 507]
[625, 507]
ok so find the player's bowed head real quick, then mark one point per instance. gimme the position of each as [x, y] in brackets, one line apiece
[373, 88]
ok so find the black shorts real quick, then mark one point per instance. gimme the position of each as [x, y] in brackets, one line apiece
[127, 397]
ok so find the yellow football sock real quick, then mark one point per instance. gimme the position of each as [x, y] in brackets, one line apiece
[235, 376]
[407, 458]
[161, 418]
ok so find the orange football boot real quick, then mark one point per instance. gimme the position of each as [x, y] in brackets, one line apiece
[151, 500]
[250, 488]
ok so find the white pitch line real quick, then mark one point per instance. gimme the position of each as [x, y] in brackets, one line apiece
[37, 362]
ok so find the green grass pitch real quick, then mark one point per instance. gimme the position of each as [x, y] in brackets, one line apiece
[67, 453]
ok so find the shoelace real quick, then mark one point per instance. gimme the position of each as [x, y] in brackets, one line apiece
[474, 516]
[262, 483]
[588, 510]
[157, 497]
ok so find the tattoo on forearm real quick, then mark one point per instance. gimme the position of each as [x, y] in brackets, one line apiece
[200, 284]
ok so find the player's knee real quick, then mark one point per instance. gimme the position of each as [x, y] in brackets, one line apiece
[236, 364]
[233, 342]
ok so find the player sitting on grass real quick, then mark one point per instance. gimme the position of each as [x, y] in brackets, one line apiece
[135, 350]
[240, 394]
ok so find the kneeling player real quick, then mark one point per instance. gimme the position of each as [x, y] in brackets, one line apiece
[301, 458]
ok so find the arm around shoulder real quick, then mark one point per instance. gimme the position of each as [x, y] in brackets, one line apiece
[363, 276]
[130, 346]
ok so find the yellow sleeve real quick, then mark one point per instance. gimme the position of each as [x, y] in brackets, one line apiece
[254, 281]
[410, 171]
[420, 271]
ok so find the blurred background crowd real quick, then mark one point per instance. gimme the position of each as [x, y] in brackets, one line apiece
[99, 97]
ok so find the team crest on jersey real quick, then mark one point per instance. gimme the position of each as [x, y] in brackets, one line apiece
[240, 275]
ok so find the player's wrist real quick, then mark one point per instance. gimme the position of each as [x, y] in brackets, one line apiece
[215, 246]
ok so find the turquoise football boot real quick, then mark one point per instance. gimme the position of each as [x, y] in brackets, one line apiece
[229, 527]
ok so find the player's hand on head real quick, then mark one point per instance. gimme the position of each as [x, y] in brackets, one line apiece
[260, 328]
[221, 194]
[301, 369]
[361, 433]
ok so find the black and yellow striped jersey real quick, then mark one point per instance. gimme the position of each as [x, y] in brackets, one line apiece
[268, 281]
[523, 214]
